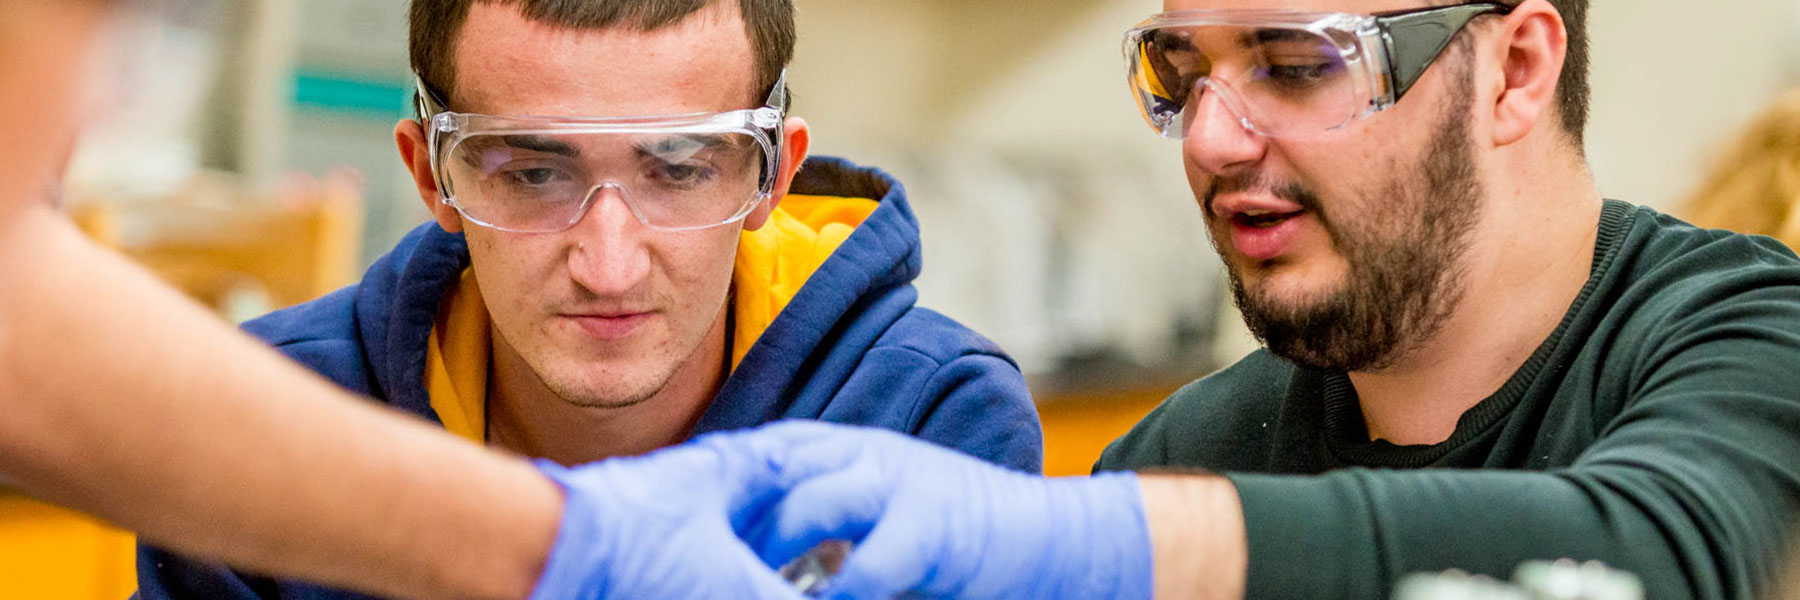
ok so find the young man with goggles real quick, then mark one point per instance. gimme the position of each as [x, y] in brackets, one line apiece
[123, 399]
[1472, 359]
[626, 253]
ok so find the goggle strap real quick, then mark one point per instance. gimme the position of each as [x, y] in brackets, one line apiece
[778, 100]
[778, 94]
[426, 102]
[1427, 33]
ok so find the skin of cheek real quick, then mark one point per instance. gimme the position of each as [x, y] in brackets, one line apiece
[527, 279]
[1351, 173]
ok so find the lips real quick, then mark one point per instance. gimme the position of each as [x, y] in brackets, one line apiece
[1266, 237]
[1261, 219]
[1263, 227]
[610, 326]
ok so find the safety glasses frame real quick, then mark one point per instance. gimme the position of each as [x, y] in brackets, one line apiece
[444, 129]
[1387, 52]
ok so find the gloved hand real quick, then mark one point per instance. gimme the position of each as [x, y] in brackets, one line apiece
[943, 524]
[664, 525]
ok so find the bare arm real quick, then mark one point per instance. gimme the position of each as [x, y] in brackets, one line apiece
[120, 398]
[1196, 536]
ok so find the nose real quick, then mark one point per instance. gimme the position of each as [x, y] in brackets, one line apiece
[608, 248]
[1218, 138]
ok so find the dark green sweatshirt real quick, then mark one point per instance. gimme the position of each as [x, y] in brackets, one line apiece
[1657, 430]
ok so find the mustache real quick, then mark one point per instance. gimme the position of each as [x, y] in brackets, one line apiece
[1245, 182]
[585, 301]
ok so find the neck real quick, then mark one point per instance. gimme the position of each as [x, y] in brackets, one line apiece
[1526, 265]
[527, 417]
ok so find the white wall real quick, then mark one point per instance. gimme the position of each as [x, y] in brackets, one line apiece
[1054, 219]
[1674, 81]
[863, 84]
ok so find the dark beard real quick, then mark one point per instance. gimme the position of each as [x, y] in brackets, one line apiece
[1401, 286]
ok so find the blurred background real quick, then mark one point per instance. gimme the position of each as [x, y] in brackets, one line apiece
[246, 154]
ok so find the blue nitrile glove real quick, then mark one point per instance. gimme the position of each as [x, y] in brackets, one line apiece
[664, 525]
[942, 524]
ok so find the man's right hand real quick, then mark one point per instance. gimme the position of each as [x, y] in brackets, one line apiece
[931, 520]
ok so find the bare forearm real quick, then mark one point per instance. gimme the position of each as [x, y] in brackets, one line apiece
[124, 400]
[1196, 535]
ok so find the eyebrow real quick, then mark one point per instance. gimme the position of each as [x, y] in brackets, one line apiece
[1170, 41]
[533, 143]
[539, 143]
[1270, 36]
[642, 149]
[706, 141]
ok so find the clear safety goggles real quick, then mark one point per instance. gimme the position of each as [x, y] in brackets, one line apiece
[542, 174]
[1286, 74]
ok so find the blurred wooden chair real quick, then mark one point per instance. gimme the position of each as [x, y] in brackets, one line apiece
[219, 247]
[240, 255]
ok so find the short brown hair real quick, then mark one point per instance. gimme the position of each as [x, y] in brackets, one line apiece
[1572, 92]
[436, 23]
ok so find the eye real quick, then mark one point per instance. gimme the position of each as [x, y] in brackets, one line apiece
[1300, 74]
[538, 176]
[681, 174]
[1304, 72]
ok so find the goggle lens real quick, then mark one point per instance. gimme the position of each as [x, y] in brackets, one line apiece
[545, 182]
[1278, 81]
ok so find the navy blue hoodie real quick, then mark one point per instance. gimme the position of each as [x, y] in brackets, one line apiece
[849, 347]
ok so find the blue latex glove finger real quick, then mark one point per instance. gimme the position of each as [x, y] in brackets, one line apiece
[888, 563]
[841, 505]
[946, 524]
[794, 431]
[663, 525]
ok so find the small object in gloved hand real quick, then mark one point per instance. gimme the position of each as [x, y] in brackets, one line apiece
[813, 570]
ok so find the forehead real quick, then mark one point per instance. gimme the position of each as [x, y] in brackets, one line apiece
[507, 64]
